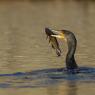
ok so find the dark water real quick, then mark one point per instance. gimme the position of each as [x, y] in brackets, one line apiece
[49, 79]
[24, 48]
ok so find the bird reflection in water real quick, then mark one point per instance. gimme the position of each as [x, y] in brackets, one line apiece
[53, 90]
[70, 88]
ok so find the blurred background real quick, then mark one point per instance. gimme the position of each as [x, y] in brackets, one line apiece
[23, 44]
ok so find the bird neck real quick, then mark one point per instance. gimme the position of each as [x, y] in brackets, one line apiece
[70, 59]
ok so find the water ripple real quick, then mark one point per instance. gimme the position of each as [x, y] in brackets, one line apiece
[45, 77]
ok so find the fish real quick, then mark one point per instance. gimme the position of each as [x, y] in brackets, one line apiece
[53, 41]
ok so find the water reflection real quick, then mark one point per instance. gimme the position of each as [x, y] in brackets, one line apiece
[50, 78]
[53, 90]
[52, 81]
[71, 88]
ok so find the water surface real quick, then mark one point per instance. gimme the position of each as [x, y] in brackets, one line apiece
[24, 48]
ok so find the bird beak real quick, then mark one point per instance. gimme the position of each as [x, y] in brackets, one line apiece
[58, 34]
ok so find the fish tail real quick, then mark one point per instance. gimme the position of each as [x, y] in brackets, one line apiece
[58, 52]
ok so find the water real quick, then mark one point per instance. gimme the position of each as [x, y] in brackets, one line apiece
[24, 48]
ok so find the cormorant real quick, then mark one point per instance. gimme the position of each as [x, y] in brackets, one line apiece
[70, 38]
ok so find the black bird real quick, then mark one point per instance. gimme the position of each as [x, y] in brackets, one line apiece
[70, 38]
